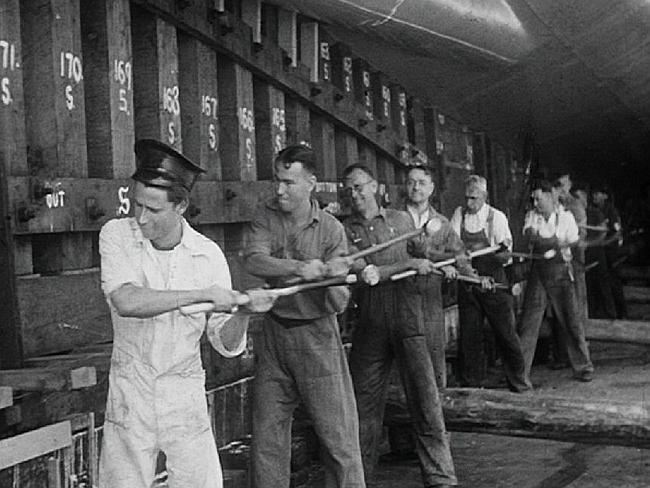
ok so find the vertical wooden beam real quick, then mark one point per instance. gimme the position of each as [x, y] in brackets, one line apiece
[269, 27]
[362, 86]
[108, 75]
[155, 78]
[297, 121]
[309, 49]
[237, 121]
[53, 76]
[288, 34]
[385, 170]
[346, 150]
[198, 94]
[270, 126]
[417, 132]
[12, 103]
[368, 156]
[12, 160]
[400, 111]
[323, 143]
[251, 14]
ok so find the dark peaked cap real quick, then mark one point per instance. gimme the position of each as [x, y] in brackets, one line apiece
[160, 165]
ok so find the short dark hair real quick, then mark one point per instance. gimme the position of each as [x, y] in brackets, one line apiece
[297, 153]
[361, 167]
[425, 169]
[176, 192]
[543, 185]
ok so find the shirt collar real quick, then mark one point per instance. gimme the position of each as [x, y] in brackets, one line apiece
[356, 217]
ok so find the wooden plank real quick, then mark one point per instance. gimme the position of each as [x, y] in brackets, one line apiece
[53, 76]
[270, 126]
[297, 121]
[638, 294]
[23, 447]
[251, 14]
[237, 121]
[219, 202]
[12, 103]
[633, 331]
[590, 420]
[309, 48]
[49, 379]
[323, 143]
[385, 170]
[199, 101]
[417, 132]
[6, 396]
[346, 150]
[155, 78]
[53, 253]
[60, 313]
[108, 73]
[288, 34]
[641, 273]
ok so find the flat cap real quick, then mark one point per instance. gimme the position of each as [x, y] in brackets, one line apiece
[161, 165]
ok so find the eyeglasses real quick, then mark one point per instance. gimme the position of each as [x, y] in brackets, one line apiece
[470, 197]
[358, 188]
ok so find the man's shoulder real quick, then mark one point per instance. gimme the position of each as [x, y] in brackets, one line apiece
[497, 214]
[328, 219]
[119, 227]
[202, 244]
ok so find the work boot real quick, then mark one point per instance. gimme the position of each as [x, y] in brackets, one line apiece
[584, 376]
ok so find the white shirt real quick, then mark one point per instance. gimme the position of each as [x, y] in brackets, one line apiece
[169, 342]
[478, 222]
[560, 224]
[419, 219]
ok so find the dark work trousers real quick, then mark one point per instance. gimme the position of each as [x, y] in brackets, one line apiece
[611, 254]
[434, 321]
[550, 283]
[474, 306]
[599, 286]
[391, 327]
[304, 363]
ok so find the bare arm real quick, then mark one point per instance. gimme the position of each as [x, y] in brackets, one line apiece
[136, 301]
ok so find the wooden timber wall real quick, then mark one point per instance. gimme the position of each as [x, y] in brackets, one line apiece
[227, 82]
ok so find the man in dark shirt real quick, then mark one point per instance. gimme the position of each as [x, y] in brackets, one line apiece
[300, 356]
[390, 327]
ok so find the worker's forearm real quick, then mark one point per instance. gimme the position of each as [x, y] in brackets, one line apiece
[265, 266]
[139, 302]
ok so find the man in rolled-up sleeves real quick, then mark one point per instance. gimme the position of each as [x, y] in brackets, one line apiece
[300, 356]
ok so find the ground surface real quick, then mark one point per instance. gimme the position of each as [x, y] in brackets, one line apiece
[488, 461]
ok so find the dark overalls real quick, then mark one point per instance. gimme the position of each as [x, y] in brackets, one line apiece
[391, 327]
[474, 305]
[551, 282]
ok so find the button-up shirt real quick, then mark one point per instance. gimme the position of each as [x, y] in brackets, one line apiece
[498, 232]
[321, 238]
[560, 224]
[443, 240]
[168, 343]
[386, 225]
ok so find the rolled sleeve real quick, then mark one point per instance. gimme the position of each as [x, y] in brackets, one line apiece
[502, 233]
[116, 266]
[258, 237]
[570, 233]
[220, 276]
[456, 220]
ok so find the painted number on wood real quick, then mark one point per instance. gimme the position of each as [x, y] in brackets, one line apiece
[247, 123]
[347, 74]
[367, 98]
[8, 63]
[125, 203]
[171, 105]
[385, 95]
[209, 110]
[278, 121]
[122, 75]
[325, 56]
[402, 109]
[72, 71]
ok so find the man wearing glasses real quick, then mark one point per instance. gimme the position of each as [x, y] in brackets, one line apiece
[479, 226]
[443, 244]
[391, 327]
[300, 357]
